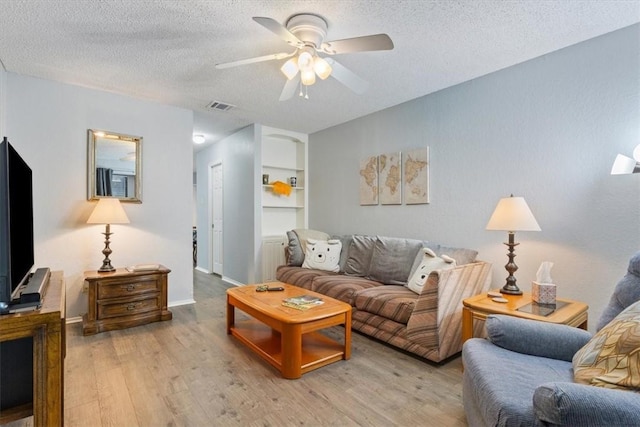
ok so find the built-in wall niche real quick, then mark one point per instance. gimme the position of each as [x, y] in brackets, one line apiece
[114, 166]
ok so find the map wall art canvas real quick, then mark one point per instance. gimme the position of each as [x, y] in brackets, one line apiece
[416, 176]
[369, 181]
[390, 186]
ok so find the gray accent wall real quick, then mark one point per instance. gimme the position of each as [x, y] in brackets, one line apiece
[547, 129]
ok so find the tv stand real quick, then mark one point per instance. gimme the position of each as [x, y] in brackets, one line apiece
[46, 328]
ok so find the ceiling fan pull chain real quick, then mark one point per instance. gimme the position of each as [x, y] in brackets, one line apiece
[300, 94]
[306, 90]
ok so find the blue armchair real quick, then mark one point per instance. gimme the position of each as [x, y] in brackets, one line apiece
[522, 375]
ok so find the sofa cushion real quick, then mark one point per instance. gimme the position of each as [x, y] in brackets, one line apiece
[611, 358]
[393, 302]
[296, 256]
[346, 243]
[392, 259]
[429, 263]
[341, 287]
[298, 276]
[323, 255]
[360, 253]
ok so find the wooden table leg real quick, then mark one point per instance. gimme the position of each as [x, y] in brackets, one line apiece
[231, 314]
[467, 324]
[291, 351]
[347, 335]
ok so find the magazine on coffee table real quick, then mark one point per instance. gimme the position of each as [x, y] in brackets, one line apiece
[302, 302]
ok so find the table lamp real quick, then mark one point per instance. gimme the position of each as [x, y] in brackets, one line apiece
[108, 211]
[512, 214]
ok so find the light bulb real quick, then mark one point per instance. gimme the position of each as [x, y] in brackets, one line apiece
[308, 77]
[290, 68]
[322, 68]
[198, 139]
[305, 61]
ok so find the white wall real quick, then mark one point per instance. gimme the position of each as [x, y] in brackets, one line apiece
[548, 129]
[47, 123]
[237, 154]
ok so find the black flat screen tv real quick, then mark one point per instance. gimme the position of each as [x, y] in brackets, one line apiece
[16, 222]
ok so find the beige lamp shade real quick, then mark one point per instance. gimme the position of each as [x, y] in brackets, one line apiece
[108, 211]
[513, 214]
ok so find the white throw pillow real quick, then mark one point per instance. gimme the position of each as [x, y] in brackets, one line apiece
[430, 262]
[323, 255]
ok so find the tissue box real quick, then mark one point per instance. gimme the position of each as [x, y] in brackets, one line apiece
[543, 293]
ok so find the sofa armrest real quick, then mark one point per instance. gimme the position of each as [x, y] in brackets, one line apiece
[564, 403]
[535, 338]
[436, 320]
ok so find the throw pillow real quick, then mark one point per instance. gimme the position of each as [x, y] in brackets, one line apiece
[306, 233]
[296, 256]
[360, 252]
[392, 260]
[323, 255]
[430, 262]
[611, 359]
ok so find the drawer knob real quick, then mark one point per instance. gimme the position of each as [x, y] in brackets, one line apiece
[131, 288]
[132, 307]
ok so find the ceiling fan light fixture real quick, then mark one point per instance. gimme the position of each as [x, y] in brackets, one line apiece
[308, 77]
[305, 61]
[322, 68]
[290, 68]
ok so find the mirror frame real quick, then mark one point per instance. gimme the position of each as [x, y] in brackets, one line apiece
[92, 137]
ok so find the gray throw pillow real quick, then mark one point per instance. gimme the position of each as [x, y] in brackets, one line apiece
[296, 256]
[392, 260]
[360, 252]
[346, 243]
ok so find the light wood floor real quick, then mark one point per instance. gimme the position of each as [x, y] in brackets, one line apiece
[188, 372]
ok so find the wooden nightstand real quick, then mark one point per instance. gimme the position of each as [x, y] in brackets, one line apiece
[567, 312]
[122, 299]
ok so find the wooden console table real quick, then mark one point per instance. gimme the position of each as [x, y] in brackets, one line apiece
[47, 328]
[122, 299]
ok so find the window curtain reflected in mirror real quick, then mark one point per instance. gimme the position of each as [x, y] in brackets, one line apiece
[103, 182]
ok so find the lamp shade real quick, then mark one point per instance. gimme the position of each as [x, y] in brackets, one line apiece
[625, 165]
[108, 211]
[513, 214]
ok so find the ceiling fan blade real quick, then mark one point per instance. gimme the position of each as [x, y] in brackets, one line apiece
[279, 30]
[253, 60]
[290, 88]
[358, 44]
[347, 77]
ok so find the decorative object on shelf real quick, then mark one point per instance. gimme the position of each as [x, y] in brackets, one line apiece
[265, 179]
[390, 187]
[293, 181]
[108, 211]
[369, 181]
[624, 165]
[512, 214]
[281, 188]
[415, 167]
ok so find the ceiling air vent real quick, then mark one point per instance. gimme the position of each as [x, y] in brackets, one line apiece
[219, 106]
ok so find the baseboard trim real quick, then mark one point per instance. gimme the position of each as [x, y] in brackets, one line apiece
[202, 270]
[72, 320]
[182, 302]
[231, 281]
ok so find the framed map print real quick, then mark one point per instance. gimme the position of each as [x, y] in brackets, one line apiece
[416, 176]
[390, 186]
[369, 181]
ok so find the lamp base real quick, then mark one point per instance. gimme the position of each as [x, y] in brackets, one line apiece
[106, 267]
[510, 289]
[106, 262]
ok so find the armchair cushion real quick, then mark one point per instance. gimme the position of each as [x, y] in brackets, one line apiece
[611, 358]
[566, 403]
[535, 338]
[627, 292]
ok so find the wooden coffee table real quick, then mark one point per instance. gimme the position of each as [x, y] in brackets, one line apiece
[285, 337]
[567, 312]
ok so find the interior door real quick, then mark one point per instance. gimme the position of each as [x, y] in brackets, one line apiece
[217, 218]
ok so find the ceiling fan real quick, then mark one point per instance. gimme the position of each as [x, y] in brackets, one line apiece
[306, 33]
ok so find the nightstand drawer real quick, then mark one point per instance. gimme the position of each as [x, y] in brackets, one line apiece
[139, 285]
[130, 307]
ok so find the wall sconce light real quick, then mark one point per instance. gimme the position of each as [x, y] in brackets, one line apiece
[624, 165]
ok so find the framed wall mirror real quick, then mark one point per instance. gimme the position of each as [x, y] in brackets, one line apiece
[114, 166]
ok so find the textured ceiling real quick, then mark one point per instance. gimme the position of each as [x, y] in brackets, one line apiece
[166, 50]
